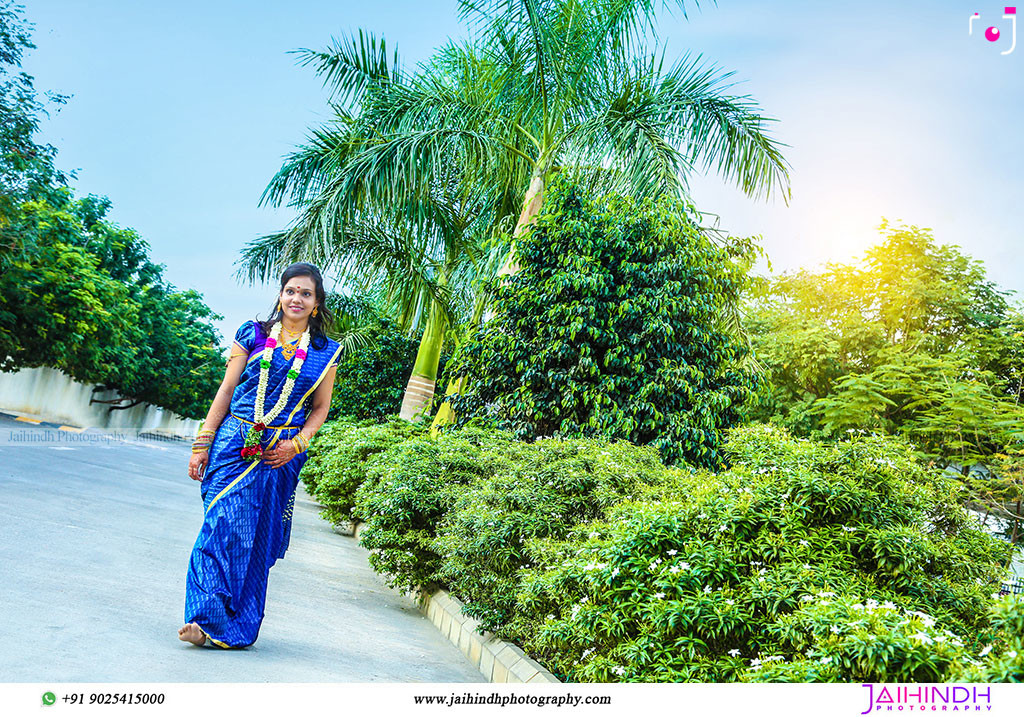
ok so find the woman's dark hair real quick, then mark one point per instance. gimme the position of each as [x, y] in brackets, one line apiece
[318, 324]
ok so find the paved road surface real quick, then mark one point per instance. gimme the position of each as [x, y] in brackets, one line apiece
[94, 546]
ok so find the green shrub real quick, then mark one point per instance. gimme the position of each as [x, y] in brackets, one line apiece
[409, 489]
[531, 490]
[798, 563]
[1002, 658]
[336, 465]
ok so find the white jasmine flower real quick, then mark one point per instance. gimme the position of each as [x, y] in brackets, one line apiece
[922, 637]
[806, 598]
[889, 605]
[722, 528]
[674, 569]
[836, 630]
[755, 662]
[804, 543]
[734, 652]
[619, 670]
[825, 660]
[673, 551]
[615, 571]
[730, 602]
[984, 652]
[1012, 654]
[595, 535]
[684, 566]
[707, 589]
[659, 596]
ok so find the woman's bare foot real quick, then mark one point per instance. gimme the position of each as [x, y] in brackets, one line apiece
[192, 633]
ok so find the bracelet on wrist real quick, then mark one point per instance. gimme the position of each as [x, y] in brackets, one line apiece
[300, 442]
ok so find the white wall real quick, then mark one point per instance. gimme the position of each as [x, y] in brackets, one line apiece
[49, 394]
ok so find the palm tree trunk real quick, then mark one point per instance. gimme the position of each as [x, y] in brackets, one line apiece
[419, 392]
[532, 204]
[445, 415]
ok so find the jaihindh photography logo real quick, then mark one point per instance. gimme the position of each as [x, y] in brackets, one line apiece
[993, 33]
[927, 698]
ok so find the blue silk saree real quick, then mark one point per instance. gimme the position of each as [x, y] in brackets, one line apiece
[249, 504]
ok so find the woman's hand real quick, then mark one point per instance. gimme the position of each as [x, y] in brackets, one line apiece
[280, 454]
[197, 465]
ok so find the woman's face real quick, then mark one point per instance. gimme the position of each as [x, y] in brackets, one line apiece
[298, 297]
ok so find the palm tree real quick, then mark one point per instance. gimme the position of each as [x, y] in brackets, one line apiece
[419, 270]
[541, 85]
[548, 84]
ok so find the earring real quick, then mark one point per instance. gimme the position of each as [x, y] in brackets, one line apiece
[278, 304]
[314, 311]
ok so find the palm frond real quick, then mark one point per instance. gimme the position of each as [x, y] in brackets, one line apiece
[352, 65]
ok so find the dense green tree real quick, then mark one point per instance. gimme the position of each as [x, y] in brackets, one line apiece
[613, 327]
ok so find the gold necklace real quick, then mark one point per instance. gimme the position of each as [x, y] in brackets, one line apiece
[288, 348]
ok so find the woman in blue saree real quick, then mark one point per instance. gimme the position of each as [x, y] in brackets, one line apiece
[248, 456]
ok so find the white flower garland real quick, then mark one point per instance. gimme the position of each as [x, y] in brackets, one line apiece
[253, 449]
[261, 389]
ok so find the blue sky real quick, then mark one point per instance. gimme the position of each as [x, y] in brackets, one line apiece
[181, 113]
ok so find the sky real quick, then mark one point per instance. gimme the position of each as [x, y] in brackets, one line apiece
[182, 112]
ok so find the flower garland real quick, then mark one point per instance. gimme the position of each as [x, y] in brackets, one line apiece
[253, 449]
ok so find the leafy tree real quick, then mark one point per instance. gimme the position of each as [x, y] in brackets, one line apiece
[915, 340]
[612, 327]
[57, 308]
[107, 317]
[26, 167]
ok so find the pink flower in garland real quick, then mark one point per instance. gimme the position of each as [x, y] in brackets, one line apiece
[300, 354]
[271, 343]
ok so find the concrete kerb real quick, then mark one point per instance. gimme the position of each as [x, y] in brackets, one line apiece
[497, 660]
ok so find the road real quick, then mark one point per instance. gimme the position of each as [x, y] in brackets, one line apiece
[93, 554]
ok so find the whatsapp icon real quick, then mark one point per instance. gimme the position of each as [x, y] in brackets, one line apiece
[49, 698]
